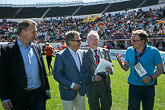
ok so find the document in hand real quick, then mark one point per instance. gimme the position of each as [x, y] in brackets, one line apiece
[102, 65]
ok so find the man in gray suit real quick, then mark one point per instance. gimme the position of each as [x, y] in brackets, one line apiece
[71, 71]
[98, 87]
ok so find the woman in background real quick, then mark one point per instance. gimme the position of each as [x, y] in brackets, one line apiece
[48, 51]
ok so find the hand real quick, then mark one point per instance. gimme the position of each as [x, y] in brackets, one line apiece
[48, 94]
[147, 79]
[7, 105]
[108, 70]
[76, 87]
[97, 78]
[118, 57]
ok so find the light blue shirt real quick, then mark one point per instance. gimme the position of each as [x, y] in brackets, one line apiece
[31, 66]
[75, 57]
[77, 61]
[148, 60]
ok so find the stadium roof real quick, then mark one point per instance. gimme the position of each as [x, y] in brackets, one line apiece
[46, 1]
[75, 8]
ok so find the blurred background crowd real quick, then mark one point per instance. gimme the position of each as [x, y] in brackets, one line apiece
[118, 25]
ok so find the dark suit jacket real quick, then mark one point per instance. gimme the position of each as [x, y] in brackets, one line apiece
[91, 86]
[13, 79]
[66, 72]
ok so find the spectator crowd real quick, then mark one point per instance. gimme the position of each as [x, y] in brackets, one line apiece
[109, 26]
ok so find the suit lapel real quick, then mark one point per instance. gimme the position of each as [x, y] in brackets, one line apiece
[18, 59]
[80, 58]
[90, 56]
[37, 54]
[101, 52]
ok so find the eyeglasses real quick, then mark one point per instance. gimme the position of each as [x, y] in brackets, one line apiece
[77, 40]
[135, 40]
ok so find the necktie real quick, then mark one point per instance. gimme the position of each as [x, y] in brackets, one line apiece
[97, 57]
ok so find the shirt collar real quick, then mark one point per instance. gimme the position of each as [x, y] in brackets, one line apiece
[147, 46]
[93, 50]
[21, 45]
[72, 51]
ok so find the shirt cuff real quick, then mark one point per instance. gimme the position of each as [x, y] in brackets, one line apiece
[92, 78]
[72, 85]
[5, 100]
[112, 69]
[47, 91]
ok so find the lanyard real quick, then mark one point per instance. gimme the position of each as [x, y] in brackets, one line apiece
[141, 53]
[137, 58]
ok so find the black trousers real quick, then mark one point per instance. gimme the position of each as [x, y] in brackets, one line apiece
[35, 100]
[144, 94]
[49, 59]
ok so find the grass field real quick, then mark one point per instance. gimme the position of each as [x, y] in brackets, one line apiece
[119, 91]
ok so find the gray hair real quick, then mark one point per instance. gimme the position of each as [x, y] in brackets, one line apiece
[92, 32]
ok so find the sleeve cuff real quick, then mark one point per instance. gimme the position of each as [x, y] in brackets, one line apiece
[5, 100]
[72, 85]
[47, 91]
[92, 78]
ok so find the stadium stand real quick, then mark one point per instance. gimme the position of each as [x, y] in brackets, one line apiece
[31, 12]
[112, 27]
[61, 11]
[7, 12]
[37, 11]
[126, 5]
[120, 6]
[149, 3]
[92, 9]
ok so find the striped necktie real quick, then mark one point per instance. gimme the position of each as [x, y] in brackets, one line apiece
[97, 57]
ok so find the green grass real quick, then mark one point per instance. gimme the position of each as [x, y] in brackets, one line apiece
[119, 91]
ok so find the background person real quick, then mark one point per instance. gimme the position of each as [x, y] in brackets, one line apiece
[97, 88]
[24, 84]
[63, 45]
[71, 71]
[49, 52]
[141, 88]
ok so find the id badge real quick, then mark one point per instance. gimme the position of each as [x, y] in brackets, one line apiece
[140, 70]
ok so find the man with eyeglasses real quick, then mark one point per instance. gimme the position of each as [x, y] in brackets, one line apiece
[71, 71]
[98, 87]
[142, 59]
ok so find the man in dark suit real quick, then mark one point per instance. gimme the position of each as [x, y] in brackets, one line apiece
[71, 71]
[98, 87]
[23, 80]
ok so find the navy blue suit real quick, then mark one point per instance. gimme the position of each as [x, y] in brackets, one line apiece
[66, 72]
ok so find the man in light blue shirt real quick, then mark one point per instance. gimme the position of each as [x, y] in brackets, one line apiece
[24, 83]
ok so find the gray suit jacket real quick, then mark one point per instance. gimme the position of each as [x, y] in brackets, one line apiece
[66, 72]
[91, 86]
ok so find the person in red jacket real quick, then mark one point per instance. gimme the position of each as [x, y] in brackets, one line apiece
[63, 44]
[48, 51]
